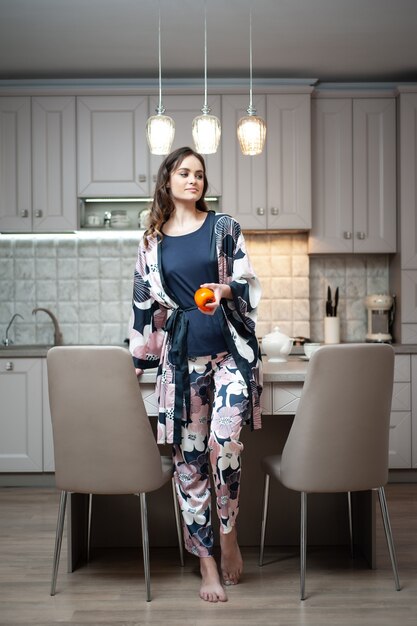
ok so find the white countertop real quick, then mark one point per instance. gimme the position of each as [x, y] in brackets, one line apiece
[292, 370]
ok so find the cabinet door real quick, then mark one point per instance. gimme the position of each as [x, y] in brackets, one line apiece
[332, 229]
[400, 440]
[183, 109]
[53, 158]
[113, 158]
[21, 415]
[374, 175]
[244, 177]
[414, 410]
[408, 180]
[15, 165]
[288, 146]
[48, 441]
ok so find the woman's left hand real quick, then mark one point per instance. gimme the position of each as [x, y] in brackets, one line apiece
[220, 291]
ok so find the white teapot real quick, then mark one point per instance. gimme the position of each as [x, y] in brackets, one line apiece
[277, 345]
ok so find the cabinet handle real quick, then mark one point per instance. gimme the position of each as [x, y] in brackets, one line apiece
[24, 213]
[38, 213]
[9, 366]
[361, 235]
[142, 178]
[274, 210]
[260, 210]
[347, 234]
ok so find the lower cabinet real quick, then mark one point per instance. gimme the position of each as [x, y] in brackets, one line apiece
[21, 414]
[401, 416]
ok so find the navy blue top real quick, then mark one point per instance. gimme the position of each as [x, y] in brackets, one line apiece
[186, 265]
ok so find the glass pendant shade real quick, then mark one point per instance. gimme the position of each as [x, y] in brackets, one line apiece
[160, 131]
[160, 128]
[206, 133]
[251, 132]
[206, 128]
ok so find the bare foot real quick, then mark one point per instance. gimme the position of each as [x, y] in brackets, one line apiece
[211, 588]
[231, 559]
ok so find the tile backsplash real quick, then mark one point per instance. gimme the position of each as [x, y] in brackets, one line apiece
[87, 283]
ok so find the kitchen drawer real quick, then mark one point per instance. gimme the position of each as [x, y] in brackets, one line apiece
[402, 368]
[401, 397]
[285, 398]
[400, 440]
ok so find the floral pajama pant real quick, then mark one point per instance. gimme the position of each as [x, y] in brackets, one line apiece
[210, 438]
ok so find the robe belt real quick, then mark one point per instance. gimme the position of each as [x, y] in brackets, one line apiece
[177, 328]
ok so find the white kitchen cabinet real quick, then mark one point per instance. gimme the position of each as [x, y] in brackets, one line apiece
[414, 411]
[400, 422]
[15, 165]
[112, 153]
[271, 190]
[408, 180]
[183, 109]
[354, 175]
[54, 188]
[37, 165]
[21, 415]
[48, 463]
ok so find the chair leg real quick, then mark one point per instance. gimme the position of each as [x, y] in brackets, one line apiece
[388, 535]
[145, 545]
[90, 508]
[178, 522]
[303, 544]
[349, 497]
[58, 538]
[264, 516]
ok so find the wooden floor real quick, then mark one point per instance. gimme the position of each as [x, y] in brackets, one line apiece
[110, 589]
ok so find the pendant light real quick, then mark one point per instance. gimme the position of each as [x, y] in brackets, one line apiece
[206, 128]
[251, 129]
[160, 128]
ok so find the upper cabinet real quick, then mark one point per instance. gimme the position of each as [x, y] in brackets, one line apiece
[112, 153]
[183, 109]
[272, 190]
[15, 165]
[354, 175]
[54, 199]
[37, 164]
[408, 180]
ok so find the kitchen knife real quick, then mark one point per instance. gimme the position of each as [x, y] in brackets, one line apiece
[336, 302]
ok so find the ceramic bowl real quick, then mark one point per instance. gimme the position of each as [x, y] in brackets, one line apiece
[311, 348]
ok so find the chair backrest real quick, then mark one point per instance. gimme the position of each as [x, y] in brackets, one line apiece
[339, 437]
[103, 440]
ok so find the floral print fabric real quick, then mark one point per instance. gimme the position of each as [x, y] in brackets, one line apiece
[151, 345]
[210, 438]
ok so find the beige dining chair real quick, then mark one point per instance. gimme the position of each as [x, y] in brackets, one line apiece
[338, 441]
[103, 439]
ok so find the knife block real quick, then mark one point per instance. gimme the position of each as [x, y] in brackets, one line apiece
[331, 330]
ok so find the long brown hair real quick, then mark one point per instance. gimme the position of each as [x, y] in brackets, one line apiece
[163, 204]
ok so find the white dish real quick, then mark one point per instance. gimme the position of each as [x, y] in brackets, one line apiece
[276, 359]
[303, 357]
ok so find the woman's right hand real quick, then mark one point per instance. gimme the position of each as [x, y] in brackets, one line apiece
[138, 371]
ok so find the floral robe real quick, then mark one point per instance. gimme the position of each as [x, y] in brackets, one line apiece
[158, 326]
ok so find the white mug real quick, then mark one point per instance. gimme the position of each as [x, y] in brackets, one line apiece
[93, 220]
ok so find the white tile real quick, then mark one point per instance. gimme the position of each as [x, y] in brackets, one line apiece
[88, 290]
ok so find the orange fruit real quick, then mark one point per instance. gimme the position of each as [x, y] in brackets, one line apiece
[202, 296]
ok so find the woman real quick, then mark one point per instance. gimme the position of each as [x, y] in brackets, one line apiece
[209, 375]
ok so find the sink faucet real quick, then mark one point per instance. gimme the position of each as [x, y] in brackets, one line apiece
[58, 338]
[6, 340]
